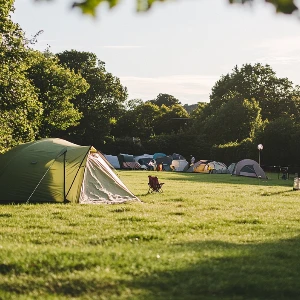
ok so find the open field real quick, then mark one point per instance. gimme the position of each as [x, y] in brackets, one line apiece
[208, 236]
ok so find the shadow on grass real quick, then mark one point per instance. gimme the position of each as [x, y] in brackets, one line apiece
[255, 271]
[277, 193]
[220, 270]
[232, 179]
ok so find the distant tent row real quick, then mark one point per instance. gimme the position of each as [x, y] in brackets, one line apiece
[245, 167]
[54, 170]
[177, 162]
[170, 162]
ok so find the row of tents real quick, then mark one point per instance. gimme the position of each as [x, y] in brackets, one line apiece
[126, 161]
[177, 162]
[55, 170]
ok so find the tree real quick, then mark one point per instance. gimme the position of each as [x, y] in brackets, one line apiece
[56, 87]
[165, 99]
[139, 121]
[277, 97]
[279, 143]
[89, 6]
[20, 111]
[171, 120]
[103, 102]
[235, 120]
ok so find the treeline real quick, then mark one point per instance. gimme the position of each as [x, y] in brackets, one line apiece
[72, 96]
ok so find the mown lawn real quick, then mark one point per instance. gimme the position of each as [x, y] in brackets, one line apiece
[206, 237]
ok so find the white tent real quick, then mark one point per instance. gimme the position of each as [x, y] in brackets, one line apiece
[180, 164]
[218, 167]
[101, 184]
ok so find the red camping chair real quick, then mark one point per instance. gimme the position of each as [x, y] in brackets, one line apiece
[154, 185]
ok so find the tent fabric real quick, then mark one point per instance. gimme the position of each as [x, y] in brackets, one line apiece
[127, 162]
[166, 160]
[113, 160]
[101, 185]
[158, 155]
[201, 168]
[180, 164]
[231, 168]
[47, 170]
[249, 168]
[218, 167]
[143, 160]
[144, 156]
[176, 156]
[205, 166]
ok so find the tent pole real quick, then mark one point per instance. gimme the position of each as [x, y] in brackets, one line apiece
[65, 200]
[59, 154]
[78, 171]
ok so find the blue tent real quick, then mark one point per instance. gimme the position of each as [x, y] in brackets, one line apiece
[158, 155]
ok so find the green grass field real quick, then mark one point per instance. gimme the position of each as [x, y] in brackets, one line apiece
[207, 236]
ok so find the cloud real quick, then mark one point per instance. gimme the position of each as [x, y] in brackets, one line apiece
[188, 89]
[122, 47]
[280, 47]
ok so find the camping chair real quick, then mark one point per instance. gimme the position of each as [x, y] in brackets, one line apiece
[154, 185]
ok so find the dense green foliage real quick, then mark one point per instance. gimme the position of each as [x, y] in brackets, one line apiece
[20, 110]
[34, 90]
[247, 107]
[101, 104]
[205, 237]
[55, 87]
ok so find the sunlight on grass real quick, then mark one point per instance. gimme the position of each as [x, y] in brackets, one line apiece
[207, 236]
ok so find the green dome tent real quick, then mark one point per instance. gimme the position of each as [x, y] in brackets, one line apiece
[55, 170]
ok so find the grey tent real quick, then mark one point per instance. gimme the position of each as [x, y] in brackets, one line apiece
[249, 168]
[231, 168]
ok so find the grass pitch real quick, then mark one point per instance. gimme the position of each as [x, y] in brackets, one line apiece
[207, 236]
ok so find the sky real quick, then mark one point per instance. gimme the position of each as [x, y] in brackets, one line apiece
[179, 47]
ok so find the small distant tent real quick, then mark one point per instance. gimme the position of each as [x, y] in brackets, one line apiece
[207, 166]
[231, 168]
[113, 160]
[166, 161]
[218, 167]
[249, 168]
[127, 162]
[143, 160]
[55, 170]
[180, 165]
[200, 166]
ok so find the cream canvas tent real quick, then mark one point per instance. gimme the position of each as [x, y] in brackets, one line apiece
[249, 168]
[54, 170]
